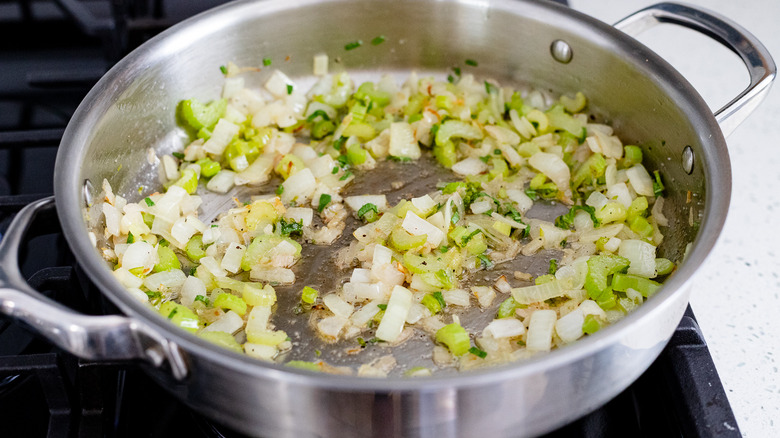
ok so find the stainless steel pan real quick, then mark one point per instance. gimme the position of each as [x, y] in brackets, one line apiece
[551, 47]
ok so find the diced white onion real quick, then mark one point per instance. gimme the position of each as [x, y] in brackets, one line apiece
[139, 255]
[480, 207]
[640, 180]
[127, 279]
[524, 203]
[278, 275]
[365, 313]
[170, 167]
[540, 330]
[257, 173]
[456, 297]
[277, 84]
[504, 328]
[337, 305]
[590, 307]
[300, 214]
[356, 292]
[537, 293]
[356, 202]
[569, 327]
[395, 314]
[553, 167]
[221, 136]
[424, 203]
[230, 322]
[299, 187]
[620, 193]
[469, 166]
[191, 288]
[642, 257]
[166, 280]
[231, 261]
[418, 226]
[113, 218]
[222, 182]
[213, 266]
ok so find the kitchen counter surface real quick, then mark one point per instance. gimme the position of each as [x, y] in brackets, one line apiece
[736, 295]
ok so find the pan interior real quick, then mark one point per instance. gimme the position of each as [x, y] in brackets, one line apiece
[133, 108]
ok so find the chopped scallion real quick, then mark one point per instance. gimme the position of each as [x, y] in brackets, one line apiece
[324, 201]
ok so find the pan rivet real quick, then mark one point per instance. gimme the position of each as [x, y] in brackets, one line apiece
[561, 51]
[87, 192]
[687, 160]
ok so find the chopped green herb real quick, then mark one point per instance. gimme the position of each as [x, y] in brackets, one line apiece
[382, 306]
[345, 176]
[130, 238]
[149, 202]
[288, 229]
[485, 261]
[378, 40]
[368, 208]
[223, 69]
[565, 221]
[280, 189]
[173, 313]
[440, 298]
[490, 88]
[450, 79]
[178, 155]
[202, 299]
[477, 352]
[361, 342]
[266, 61]
[658, 185]
[335, 170]
[318, 113]
[471, 62]
[353, 45]
[343, 160]
[553, 266]
[456, 70]
[289, 89]
[324, 201]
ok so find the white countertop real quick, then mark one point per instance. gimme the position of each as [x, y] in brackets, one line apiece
[736, 297]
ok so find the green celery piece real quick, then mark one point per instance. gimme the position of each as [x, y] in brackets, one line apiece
[445, 154]
[198, 115]
[415, 105]
[637, 208]
[507, 308]
[431, 303]
[456, 128]
[592, 169]
[288, 165]
[559, 119]
[223, 339]
[194, 248]
[612, 211]
[322, 128]
[402, 241]
[646, 287]
[663, 266]
[455, 338]
[590, 325]
[441, 279]
[631, 155]
[417, 264]
[309, 295]
[477, 245]
[208, 168]
[498, 167]
[188, 181]
[229, 301]
[528, 149]
[641, 226]
[302, 364]
[180, 315]
[356, 154]
[259, 248]
[600, 267]
[367, 91]
[168, 259]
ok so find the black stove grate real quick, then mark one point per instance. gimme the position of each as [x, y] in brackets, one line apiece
[47, 393]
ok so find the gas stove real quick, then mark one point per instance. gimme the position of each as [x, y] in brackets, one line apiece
[60, 49]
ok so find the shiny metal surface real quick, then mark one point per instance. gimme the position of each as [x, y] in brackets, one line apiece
[648, 102]
[759, 62]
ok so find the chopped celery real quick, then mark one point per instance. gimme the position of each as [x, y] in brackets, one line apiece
[477, 245]
[445, 154]
[600, 267]
[477, 352]
[527, 149]
[515, 103]
[168, 259]
[574, 105]
[545, 278]
[663, 266]
[194, 248]
[208, 168]
[498, 167]
[180, 315]
[368, 92]
[646, 287]
[255, 296]
[590, 325]
[368, 212]
[288, 165]
[441, 279]
[401, 240]
[260, 214]
[362, 130]
[641, 226]
[502, 227]
[309, 295]
[431, 303]
[590, 170]
[455, 338]
[188, 181]
[637, 208]
[322, 128]
[456, 128]
[260, 246]
[415, 105]
[559, 119]
[356, 154]
[198, 115]
[658, 185]
[239, 154]
[229, 301]
[223, 339]
[612, 211]
[417, 264]
[632, 155]
[507, 308]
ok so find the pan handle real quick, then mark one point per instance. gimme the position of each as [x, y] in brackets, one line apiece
[109, 337]
[761, 67]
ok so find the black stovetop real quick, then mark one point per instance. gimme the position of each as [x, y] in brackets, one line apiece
[51, 53]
